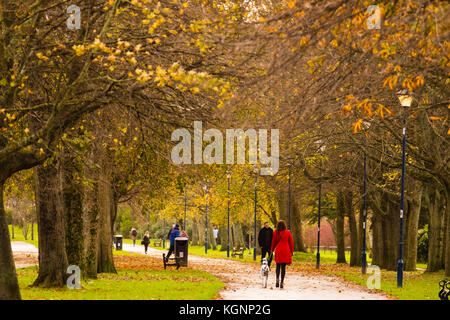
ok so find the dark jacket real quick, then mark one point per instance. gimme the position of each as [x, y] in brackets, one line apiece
[265, 238]
[175, 233]
[146, 240]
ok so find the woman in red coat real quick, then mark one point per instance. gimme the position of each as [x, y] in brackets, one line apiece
[283, 244]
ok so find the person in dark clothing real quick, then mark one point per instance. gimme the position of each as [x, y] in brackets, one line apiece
[146, 241]
[134, 235]
[169, 233]
[174, 234]
[265, 240]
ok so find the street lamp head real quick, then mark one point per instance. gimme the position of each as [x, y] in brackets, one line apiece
[405, 98]
[228, 174]
[205, 187]
[321, 145]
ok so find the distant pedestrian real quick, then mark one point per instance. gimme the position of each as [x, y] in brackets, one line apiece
[283, 245]
[146, 240]
[184, 234]
[265, 240]
[173, 234]
[216, 234]
[133, 235]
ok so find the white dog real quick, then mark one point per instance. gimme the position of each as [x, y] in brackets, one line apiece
[264, 272]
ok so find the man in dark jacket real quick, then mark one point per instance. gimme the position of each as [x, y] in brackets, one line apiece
[173, 234]
[265, 240]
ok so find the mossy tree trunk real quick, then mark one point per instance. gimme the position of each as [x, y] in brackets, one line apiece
[9, 285]
[73, 210]
[105, 261]
[52, 248]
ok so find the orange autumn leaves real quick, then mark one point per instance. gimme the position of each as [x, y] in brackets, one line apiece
[368, 107]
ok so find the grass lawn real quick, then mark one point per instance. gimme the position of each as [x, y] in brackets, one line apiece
[18, 235]
[139, 278]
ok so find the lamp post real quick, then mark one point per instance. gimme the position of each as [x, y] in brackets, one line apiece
[289, 198]
[228, 216]
[185, 208]
[164, 233]
[405, 100]
[366, 126]
[206, 217]
[321, 149]
[255, 171]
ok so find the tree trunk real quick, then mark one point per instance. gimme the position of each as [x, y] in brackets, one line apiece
[105, 261]
[377, 242]
[354, 254]
[73, 211]
[447, 240]
[340, 235]
[435, 230]
[195, 237]
[52, 248]
[223, 235]
[91, 215]
[413, 226]
[297, 228]
[238, 236]
[9, 285]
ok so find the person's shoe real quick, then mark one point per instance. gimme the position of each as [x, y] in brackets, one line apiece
[277, 284]
[281, 285]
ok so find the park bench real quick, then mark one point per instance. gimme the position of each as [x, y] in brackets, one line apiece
[157, 243]
[174, 261]
[239, 252]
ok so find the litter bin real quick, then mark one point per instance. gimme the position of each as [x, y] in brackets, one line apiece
[181, 250]
[118, 241]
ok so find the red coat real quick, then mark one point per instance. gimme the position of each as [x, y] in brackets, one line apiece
[285, 247]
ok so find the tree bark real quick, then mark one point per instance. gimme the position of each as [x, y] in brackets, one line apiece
[91, 215]
[223, 235]
[340, 235]
[435, 230]
[413, 226]
[105, 260]
[73, 211]
[354, 254]
[296, 226]
[9, 285]
[52, 248]
[195, 237]
[447, 241]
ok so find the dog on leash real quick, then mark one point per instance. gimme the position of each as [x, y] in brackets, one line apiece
[264, 272]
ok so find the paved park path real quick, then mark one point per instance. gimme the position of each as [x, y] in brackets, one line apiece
[242, 281]
[25, 254]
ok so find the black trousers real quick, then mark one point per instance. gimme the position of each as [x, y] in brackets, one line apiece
[264, 251]
[171, 250]
[146, 246]
[281, 267]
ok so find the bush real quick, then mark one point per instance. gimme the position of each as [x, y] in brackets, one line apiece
[422, 245]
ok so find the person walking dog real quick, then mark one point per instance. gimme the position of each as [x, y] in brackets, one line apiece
[265, 240]
[283, 245]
